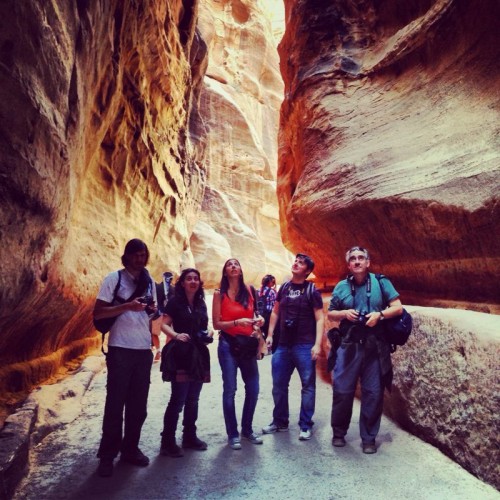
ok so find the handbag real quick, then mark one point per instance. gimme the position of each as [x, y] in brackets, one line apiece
[242, 346]
[262, 346]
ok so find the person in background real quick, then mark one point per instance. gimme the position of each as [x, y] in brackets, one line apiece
[267, 294]
[358, 302]
[186, 361]
[129, 357]
[233, 312]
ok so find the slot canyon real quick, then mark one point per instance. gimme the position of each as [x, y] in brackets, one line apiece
[209, 132]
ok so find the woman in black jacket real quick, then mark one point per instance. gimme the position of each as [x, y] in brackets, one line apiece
[185, 360]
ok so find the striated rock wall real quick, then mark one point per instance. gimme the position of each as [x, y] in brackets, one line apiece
[446, 386]
[389, 139]
[240, 103]
[101, 141]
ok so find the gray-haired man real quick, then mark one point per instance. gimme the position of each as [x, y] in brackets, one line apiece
[361, 302]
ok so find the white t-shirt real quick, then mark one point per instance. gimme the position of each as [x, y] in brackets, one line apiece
[131, 328]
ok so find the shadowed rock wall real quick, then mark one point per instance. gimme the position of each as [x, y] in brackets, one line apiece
[101, 141]
[389, 139]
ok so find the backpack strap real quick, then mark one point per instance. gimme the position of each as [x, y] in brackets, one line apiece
[115, 294]
[379, 277]
[309, 292]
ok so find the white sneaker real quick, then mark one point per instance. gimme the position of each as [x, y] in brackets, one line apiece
[235, 443]
[272, 428]
[305, 435]
[254, 438]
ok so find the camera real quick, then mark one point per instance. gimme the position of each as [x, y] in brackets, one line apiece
[362, 319]
[204, 337]
[149, 301]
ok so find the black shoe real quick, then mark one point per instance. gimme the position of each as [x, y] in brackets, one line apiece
[194, 444]
[338, 441]
[135, 458]
[105, 467]
[171, 450]
[369, 448]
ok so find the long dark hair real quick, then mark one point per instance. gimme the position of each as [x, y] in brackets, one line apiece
[242, 297]
[179, 289]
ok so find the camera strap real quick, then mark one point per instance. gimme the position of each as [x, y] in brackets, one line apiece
[368, 286]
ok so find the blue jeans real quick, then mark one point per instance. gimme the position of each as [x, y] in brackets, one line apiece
[250, 374]
[284, 362]
[184, 395]
[356, 361]
[127, 389]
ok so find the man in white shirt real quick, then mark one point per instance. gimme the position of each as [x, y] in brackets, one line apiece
[129, 295]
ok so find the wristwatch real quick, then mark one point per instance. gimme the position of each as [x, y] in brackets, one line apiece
[382, 317]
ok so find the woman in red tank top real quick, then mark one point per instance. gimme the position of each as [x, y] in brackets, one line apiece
[233, 314]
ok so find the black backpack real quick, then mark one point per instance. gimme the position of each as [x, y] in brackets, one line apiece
[396, 330]
[104, 325]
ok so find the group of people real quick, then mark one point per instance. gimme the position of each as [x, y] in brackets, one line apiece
[290, 322]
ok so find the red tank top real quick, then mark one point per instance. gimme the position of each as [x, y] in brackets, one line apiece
[231, 310]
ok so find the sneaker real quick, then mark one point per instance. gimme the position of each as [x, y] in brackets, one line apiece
[369, 448]
[234, 443]
[105, 467]
[194, 444]
[136, 458]
[338, 441]
[305, 434]
[272, 428]
[254, 438]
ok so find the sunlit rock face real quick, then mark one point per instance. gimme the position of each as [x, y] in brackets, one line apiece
[240, 102]
[389, 139]
[101, 141]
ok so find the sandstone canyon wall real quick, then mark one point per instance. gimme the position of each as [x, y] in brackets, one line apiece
[389, 139]
[103, 138]
[240, 102]
[100, 141]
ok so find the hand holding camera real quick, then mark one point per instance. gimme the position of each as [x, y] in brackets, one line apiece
[362, 318]
[148, 300]
[204, 337]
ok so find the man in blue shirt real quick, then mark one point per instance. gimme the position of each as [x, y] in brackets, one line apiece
[361, 302]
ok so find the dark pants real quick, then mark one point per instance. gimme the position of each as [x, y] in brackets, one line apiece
[129, 378]
[184, 395]
[356, 361]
